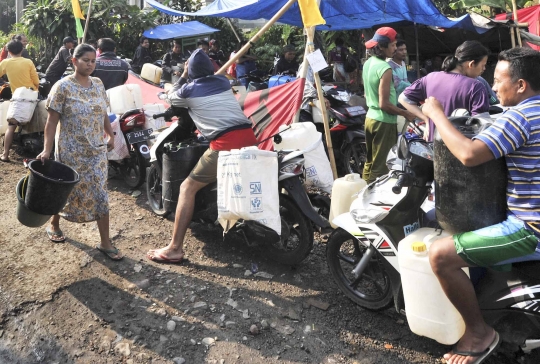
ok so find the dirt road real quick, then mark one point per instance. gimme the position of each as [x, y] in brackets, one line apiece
[67, 303]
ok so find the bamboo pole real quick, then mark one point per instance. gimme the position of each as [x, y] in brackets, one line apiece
[234, 30]
[87, 21]
[256, 37]
[320, 95]
[512, 37]
[516, 21]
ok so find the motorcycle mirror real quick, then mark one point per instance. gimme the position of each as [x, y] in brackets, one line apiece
[403, 148]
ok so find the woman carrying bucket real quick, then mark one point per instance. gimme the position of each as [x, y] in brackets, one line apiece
[79, 103]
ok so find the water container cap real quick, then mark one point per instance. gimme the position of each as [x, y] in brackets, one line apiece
[418, 247]
[352, 177]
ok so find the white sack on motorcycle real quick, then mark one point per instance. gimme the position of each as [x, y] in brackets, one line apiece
[22, 105]
[120, 150]
[248, 186]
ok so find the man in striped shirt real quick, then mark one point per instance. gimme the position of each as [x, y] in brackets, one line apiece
[516, 137]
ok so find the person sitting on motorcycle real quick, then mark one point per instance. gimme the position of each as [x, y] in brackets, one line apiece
[170, 60]
[142, 55]
[61, 61]
[224, 125]
[4, 53]
[513, 136]
[287, 63]
[110, 69]
[216, 53]
[21, 73]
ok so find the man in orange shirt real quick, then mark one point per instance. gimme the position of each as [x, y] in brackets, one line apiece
[21, 73]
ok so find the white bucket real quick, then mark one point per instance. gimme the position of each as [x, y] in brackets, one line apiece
[123, 98]
[429, 312]
[343, 192]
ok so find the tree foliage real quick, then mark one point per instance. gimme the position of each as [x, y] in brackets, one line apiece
[50, 21]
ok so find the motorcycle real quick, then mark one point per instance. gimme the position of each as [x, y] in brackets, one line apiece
[133, 168]
[362, 253]
[346, 127]
[29, 136]
[297, 212]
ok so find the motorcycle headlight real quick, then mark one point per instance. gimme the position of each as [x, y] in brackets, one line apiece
[295, 168]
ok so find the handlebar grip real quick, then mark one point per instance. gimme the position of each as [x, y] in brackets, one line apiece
[157, 116]
[399, 184]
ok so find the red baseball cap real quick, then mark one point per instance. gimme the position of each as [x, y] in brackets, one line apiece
[384, 34]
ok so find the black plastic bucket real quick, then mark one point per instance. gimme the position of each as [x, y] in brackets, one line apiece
[468, 198]
[178, 161]
[49, 186]
[24, 215]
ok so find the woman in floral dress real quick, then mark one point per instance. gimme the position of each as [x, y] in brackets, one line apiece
[79, 104]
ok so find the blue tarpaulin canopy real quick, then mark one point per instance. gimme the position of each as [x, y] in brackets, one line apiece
[339, 14]
[179, 30]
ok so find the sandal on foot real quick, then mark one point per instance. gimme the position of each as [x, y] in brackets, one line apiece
[56, 236]
[110, 253]
[160, 258]
[7, 160]
[480, 355]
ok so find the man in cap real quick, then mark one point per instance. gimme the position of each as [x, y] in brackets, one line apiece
[60, 62]
[381, 119]
[224, 125]
[287, 63]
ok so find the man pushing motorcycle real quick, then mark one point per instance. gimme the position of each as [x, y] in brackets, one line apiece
[514, 135]
[219, 118]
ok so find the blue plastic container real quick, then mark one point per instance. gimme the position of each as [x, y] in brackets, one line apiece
[280, 80]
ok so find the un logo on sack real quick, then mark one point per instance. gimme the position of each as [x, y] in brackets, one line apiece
[256, 204]
[237, 188]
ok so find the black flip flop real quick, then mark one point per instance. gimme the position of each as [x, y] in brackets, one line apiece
[480, 355]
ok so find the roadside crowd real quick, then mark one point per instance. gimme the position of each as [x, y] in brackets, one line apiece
[79, 103]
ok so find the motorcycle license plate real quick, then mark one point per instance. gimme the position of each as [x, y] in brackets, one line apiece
[355, 110]
[139, 136]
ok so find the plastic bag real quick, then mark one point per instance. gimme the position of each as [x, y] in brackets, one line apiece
[248, 186]
[120, 150]
[22, 105]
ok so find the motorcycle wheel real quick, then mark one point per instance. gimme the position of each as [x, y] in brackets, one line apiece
[133, 169]
[354, 157]
[296, 235]
[372, 290]
[154, 192]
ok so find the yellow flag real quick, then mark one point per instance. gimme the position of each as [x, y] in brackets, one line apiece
[77, 9]
[311, 15]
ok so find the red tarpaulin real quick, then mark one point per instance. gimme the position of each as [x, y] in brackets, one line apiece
[268, 109]
[149, 92]
[529, 15]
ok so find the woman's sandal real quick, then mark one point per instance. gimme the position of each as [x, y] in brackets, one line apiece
[110, 253]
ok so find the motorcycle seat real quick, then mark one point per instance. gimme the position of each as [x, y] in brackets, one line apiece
[129, 113]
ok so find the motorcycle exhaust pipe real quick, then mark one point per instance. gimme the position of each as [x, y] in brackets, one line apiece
[364, 262]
